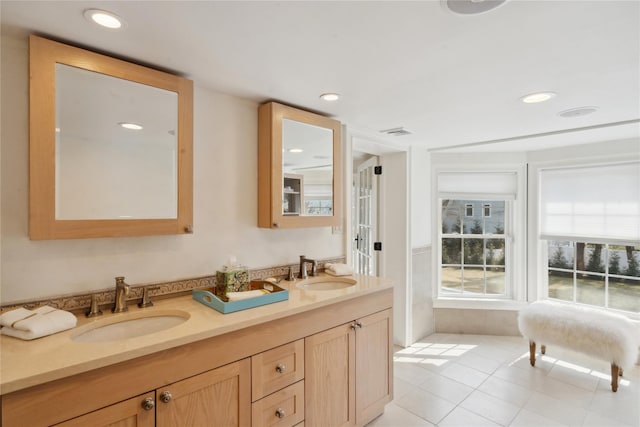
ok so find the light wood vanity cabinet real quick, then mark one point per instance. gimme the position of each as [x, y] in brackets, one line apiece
[219, 397]
[220, 394]
[129, 413]
[348, 378]
[313, 368]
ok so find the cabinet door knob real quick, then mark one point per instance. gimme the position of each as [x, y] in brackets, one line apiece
[165, 396]
[280, 413]
[280, 368]
[358, 325]
[148, 404]
[353, 326]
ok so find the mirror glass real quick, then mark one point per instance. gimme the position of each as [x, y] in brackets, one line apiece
[307, 169]
[116, 148]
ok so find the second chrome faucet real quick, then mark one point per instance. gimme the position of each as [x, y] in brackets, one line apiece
[303, 267]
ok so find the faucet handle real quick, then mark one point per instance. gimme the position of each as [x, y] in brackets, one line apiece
[291, 276]
[94, 310]
[146, 300]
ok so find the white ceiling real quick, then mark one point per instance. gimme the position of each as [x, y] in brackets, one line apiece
[452, 80]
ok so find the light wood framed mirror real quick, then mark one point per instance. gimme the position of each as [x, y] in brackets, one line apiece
[299, 168]
[110, 146]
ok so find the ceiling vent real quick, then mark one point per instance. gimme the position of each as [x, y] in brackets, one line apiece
[471, 7]
[400, 131]
[577, 112]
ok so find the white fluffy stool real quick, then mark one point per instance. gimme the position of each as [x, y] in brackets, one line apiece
[603, 335]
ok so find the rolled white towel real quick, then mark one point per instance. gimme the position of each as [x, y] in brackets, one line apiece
[31, 324]
[236, 296]
[338, 269]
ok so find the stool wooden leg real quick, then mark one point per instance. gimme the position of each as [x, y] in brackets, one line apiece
[543, 349]
[532, 353]
[614, 376]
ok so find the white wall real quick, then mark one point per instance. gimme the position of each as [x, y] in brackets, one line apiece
[394, 227]
[420, 200]
[422, 315]
[225, 204]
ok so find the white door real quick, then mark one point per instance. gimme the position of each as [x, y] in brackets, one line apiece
[365, 221]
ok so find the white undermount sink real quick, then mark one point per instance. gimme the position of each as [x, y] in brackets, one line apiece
[326, 283]
[125, 326]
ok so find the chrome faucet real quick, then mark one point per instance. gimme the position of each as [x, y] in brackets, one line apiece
[303, 267]
[122, 290]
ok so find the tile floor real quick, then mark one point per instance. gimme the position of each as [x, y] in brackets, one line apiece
[480, 380]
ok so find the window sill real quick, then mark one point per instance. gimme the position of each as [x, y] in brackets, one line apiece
[478, 304]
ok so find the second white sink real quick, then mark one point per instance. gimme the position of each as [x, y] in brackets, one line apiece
[130, 326]
[326, 283]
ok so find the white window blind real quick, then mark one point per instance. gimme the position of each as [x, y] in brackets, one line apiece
[478, 185]
[599, 204]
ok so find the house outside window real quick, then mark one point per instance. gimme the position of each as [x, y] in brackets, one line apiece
[487, 209]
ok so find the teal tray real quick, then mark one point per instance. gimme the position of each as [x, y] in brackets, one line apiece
[211, 300]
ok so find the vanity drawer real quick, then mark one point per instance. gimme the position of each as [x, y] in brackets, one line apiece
[284, 408]
[276, 368]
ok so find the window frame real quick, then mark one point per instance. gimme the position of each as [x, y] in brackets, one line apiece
[512, 164]
[537, 256]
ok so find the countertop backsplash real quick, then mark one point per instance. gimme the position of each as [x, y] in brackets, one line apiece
[80, 302]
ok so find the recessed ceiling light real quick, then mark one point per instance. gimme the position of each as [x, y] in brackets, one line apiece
[132, 126]
[532, 98]
[330, 96]
[578, 111]
[104, 18]
[296, 150]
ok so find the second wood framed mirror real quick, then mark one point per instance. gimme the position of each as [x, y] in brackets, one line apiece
[299, 168]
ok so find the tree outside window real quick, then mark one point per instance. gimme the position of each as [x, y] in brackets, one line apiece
[604, 275]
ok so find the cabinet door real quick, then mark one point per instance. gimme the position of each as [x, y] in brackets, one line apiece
[330, 377]
[374, 366]
[220, 397]
[129, 413]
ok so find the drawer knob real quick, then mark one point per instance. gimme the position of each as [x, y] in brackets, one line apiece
[166, 396]
[280, 413]
[280, 368]
[148, 404]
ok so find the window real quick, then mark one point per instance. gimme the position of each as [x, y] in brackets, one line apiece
[473, 248]
[475, 239]
[604, 275]
[468, 212]
[318, 206]
[590, 228]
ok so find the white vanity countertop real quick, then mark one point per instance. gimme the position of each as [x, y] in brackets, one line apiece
[28, 363]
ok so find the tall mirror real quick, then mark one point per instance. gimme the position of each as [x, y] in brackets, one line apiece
[110, 146]
[299, 165]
